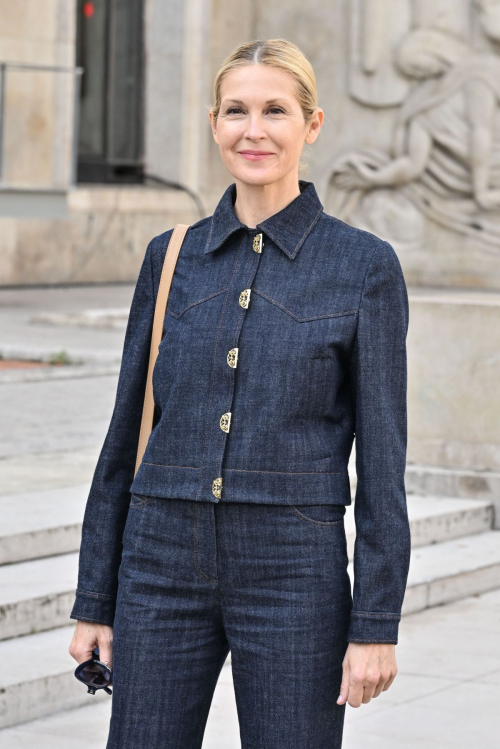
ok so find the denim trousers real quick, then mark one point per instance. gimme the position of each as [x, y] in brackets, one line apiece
[269, 583]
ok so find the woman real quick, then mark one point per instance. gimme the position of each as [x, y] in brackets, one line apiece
[284, 335]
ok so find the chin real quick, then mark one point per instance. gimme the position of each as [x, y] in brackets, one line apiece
[254, 176]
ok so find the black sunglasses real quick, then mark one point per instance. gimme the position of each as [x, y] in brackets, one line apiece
[95, 674]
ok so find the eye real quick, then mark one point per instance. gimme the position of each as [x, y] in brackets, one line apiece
[277, 110]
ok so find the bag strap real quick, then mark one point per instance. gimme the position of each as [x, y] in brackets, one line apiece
[171, 255]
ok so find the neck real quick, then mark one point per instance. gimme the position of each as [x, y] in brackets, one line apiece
[255, 203]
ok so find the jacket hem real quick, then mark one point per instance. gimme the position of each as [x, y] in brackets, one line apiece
[266, 487]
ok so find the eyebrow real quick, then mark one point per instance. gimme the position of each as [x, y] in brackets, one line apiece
[239, 101]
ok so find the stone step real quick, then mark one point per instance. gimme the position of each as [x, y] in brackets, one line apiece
[109, 317]
[37, 595]
[454, 482]
[452, 570]
[40, 524]
[37, 671]
[37, 677]
[435, 519]
[77, 727]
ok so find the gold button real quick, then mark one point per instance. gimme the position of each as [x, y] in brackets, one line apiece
[217, 487]
[225, 421]
[258, 243]
[232, 358]
[245, 298]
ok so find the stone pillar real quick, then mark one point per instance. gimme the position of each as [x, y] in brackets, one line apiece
[186, 41]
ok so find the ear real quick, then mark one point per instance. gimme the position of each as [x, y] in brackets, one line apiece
[315, 125]
[213, 126]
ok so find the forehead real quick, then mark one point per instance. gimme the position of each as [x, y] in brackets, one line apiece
[262, 83]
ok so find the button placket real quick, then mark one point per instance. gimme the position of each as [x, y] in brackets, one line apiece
[230, 359]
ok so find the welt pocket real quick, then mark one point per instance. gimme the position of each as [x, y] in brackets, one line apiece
[171, 304]
[300, 318]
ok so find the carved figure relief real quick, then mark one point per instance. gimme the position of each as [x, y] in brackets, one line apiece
[444, 163]
[374, 33]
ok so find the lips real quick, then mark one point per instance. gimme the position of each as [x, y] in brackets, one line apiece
[255, 155]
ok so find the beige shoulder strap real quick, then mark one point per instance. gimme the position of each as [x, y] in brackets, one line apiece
[167, 273]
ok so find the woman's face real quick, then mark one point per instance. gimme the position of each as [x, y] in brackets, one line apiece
[261, 129]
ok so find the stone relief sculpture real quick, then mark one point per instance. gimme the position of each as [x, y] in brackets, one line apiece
[374, 31]
[444, 163]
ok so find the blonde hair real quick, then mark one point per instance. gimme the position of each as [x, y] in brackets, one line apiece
[278, 53]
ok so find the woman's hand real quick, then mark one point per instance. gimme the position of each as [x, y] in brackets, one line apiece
[86, 637]
[368, 669]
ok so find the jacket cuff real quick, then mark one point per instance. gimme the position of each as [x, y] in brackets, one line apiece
[370, 626]
[94, 607]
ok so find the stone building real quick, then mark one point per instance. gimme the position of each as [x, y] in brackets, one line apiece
[105, 142]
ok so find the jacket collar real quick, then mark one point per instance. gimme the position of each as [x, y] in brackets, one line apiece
[288, 228]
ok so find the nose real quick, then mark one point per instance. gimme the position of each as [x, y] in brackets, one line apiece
[255, 127]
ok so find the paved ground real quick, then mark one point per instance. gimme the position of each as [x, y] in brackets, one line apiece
[447, 692]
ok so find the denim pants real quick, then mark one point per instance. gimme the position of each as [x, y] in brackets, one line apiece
[199, 579]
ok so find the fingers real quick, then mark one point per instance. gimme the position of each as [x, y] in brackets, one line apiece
[106, 649]
[353, 686]
[367, 671]
[361, 688]
[390, 678]
[86, 637]
[344, 687]
[379, 687]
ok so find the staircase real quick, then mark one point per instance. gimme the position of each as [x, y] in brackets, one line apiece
[455, 553]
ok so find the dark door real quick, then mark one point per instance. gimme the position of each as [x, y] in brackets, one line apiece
[110, 50]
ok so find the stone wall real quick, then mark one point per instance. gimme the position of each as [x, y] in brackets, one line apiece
[453, 376]
[102, 238]
[410, 150]
[410, 147]
[38, 103]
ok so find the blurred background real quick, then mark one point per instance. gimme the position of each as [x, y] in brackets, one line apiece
[104, 143]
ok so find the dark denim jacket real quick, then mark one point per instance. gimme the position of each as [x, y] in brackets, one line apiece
[280, 344]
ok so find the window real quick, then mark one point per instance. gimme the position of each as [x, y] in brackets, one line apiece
[110, 50]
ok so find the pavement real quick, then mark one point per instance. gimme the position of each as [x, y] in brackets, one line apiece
[53, 421]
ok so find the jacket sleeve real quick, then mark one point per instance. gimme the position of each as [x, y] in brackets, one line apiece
[108, 501]
[378, 371]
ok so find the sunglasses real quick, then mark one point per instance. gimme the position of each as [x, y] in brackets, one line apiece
[95, 674]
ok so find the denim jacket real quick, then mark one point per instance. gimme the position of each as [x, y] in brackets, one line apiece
[280, 344]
